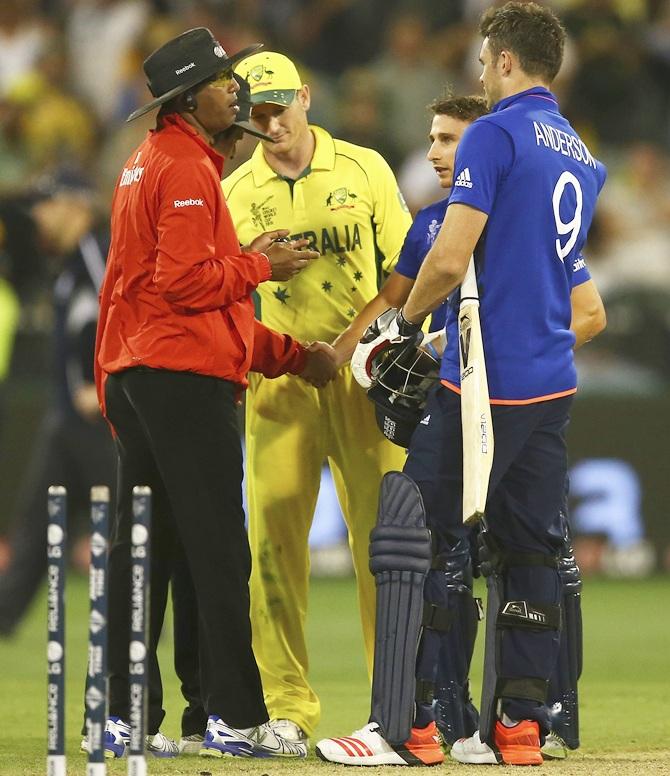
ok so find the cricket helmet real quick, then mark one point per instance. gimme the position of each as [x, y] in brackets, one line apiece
[401, 381]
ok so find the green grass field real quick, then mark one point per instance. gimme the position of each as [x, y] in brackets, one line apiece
[625, 689]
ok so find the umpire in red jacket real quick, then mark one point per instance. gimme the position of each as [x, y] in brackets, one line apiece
[176, 338]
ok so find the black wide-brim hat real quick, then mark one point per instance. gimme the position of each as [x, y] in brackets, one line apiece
[181, 63]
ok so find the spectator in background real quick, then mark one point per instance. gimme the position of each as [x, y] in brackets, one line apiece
[114, 145]
[613, 94]
[14, 165]
[236, 28]
[55, 128]
[23, 36]
[629, 259]
[640, 189]
[331, 35]
[656, 38]
[405, 75]
[100, 37]
[361, 115]
[73, 447]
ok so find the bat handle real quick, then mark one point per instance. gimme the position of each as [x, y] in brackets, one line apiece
[469, 285]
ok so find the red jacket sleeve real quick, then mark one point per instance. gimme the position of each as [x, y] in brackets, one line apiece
[276, 354]
[198, 263]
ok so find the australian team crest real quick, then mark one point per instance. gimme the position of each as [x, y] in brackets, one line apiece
[257, 72]
[340, 198]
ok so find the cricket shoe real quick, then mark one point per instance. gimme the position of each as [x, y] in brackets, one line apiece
[160, 745]
[554, 748]
[517, 744]
[221, 740]
[368, 747]
[289, 731]
[117, 739]
[190, 744]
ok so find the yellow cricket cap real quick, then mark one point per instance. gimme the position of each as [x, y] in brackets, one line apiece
[271, 76]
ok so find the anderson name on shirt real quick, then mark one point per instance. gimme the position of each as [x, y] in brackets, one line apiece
[563, 143]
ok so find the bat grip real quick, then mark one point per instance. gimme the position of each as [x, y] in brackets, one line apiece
[469, 285]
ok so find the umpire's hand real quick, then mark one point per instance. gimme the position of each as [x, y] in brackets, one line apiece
[289, 258]
[264, 240]
[321, 364]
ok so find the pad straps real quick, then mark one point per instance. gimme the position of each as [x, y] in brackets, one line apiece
[522, 614]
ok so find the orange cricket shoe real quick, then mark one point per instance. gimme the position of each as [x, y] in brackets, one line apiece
[520, 743]
[424, 744]
[517, 744]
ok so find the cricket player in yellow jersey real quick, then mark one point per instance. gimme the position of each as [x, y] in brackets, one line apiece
[345, 199]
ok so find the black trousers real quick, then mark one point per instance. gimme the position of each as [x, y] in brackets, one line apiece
[186, 662]
[177, 432]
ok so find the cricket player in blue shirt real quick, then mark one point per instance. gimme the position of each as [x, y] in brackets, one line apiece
[455, 712]
[524, 193]
[451, 117]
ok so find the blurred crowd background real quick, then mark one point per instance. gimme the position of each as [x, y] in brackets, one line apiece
[70, 73]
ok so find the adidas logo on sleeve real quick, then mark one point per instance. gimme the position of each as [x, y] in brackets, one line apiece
[463, 179]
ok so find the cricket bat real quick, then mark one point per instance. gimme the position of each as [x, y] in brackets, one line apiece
[475, 407]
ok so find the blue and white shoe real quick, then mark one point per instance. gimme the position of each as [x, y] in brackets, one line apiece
[221, 740]
[116, 738]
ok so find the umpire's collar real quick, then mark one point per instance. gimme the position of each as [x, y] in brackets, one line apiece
[322, 159]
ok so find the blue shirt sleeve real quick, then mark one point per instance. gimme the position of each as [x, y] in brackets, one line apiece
[580, 272]
[411, 256]
[483, 159]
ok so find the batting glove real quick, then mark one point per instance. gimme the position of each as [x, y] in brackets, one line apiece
[387, 334]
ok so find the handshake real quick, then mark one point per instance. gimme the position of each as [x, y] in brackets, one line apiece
[321, 365]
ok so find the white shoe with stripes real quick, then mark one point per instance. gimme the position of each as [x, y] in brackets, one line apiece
[367, 747]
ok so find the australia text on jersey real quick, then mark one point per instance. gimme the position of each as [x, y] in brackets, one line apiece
[334, 240]
[562, 143]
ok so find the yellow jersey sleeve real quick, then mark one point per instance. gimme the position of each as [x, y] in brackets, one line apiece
[348, 205]
[391, 215]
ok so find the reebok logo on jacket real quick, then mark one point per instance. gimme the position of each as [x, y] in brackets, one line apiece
[188, 202]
